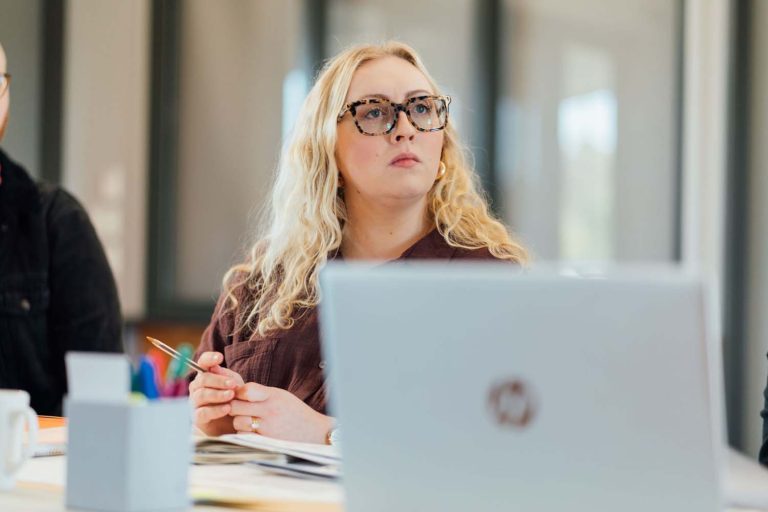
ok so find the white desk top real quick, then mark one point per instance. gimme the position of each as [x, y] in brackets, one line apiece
[41, 484]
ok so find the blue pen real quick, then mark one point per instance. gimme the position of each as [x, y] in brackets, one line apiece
[147, 378]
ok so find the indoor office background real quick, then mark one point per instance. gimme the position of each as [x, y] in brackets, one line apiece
[626, 131]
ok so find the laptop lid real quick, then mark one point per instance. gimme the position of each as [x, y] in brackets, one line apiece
[483, 388]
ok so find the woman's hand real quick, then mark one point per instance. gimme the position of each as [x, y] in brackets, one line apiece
[211, 393]
[279, 414]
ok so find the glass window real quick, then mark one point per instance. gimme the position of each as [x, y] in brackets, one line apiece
[237, 91]
[587, 127]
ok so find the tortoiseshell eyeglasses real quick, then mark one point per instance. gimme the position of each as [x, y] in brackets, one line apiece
[377, 116]
[5, 82]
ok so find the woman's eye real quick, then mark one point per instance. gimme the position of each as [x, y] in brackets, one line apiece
[374, 113]
[422, 108]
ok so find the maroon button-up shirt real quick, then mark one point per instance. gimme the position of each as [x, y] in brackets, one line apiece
[291, 359]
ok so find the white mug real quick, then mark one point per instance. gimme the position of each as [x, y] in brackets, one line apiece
[14, 412]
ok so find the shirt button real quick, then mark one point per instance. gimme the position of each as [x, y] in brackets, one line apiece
[321, 365]
[25, 305]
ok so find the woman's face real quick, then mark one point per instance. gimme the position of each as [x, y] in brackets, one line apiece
[397, 167]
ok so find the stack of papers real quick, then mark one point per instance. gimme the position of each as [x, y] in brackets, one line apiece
[212, 450]
[51, 442]
[301, 459]
[317, 453]
[51, 436]
[301, 469]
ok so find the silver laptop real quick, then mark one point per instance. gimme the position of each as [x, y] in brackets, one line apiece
[482, 388]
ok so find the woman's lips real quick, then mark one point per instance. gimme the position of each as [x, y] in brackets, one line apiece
[405, 160]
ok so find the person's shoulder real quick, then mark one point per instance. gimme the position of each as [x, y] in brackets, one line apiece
[57, 199]
[60, 206]
[18, 190]
[440, 247]
[481, 253]
[28, 196]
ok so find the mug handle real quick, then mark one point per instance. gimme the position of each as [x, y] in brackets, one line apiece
[29, 450]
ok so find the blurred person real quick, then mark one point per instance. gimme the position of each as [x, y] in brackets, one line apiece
[57, 292]
[374, 171]
[763, 455]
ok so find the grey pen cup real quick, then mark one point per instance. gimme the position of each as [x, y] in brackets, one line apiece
[124, 457]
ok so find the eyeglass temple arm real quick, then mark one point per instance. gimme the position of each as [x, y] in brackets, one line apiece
[347, 108]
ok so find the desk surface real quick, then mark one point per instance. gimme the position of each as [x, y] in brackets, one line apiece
[40, 488]
[41, 485]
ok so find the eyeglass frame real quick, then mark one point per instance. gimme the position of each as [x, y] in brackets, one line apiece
[399, 107]
[6, 83]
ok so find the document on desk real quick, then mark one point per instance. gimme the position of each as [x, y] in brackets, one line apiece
[51, 442]
[248, 486]
[317, 453]
[51, 437]
[212, 450]
[300, 469]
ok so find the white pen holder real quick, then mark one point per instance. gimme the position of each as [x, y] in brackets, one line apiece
[124, 457]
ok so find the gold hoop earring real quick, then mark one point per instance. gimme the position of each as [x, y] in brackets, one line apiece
[441, 171]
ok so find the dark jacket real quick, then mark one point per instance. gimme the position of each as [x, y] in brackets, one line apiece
[291, 359]
[57, 292]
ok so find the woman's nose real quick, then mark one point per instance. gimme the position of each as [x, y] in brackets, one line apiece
[403, 129]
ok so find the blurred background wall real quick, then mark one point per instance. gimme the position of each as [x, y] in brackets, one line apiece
[604, 131]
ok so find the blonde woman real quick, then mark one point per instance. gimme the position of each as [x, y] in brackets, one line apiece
[374, 171]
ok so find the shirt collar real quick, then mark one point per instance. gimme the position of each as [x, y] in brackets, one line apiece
[431, 246]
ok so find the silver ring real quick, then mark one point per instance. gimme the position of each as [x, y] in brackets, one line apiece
[255, 423]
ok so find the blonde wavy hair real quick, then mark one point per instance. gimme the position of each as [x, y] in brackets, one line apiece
[279, 280]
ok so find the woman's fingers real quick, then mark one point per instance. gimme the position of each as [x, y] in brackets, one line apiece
[226, 372]
[215, 376]
[217, 381]
[278, 414]
[252, 392]
[243, 408]
[209, 413]
[205, 396]
[211, 393]
[210, 359]
[245, 424]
